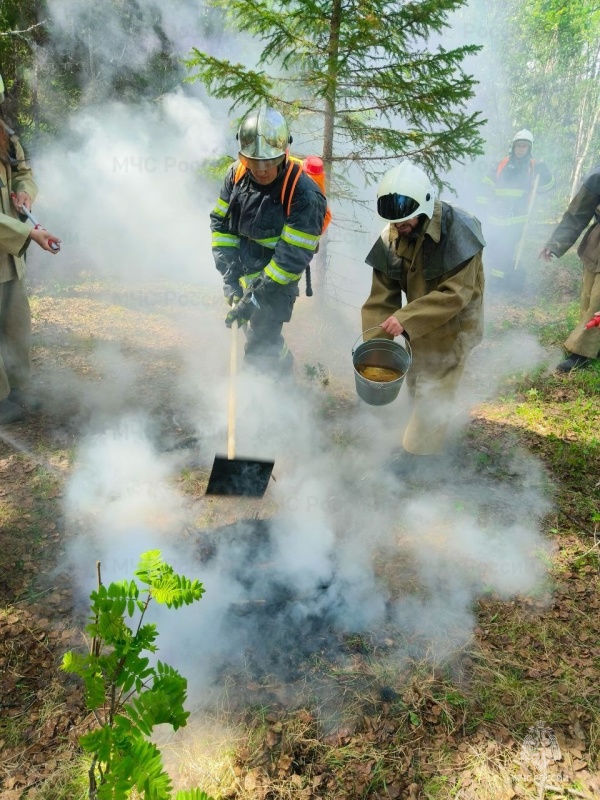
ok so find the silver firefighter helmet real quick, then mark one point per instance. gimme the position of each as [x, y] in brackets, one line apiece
[263, 137]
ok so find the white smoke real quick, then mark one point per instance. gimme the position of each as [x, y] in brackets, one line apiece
[348, 550]
[128, 192]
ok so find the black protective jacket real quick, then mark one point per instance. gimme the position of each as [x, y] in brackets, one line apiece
[583, 209]
[251, 232]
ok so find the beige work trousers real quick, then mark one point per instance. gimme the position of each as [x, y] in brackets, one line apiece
[15, 337]
[580, 341]
[432, 397]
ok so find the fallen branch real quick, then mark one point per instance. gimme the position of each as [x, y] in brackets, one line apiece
[561, 790]
[25, 30]
[576, 522]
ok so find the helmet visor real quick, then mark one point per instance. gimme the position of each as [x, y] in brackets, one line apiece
[396, 206]
[260, 163]
[258, 143]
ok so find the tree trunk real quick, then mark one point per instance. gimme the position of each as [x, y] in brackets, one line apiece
[588, 128]
[321, 260]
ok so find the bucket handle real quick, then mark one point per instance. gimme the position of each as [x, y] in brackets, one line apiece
[406, 345]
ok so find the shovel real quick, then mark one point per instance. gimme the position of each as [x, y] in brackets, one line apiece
[527, 221]
[237, 476]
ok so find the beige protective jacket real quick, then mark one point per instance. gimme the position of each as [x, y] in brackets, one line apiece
[443, 317]
[15, 176]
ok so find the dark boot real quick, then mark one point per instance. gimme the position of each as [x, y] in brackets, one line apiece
[574, 361]
[10, 412]
[408, 467]
[25, 400]
[286, 365]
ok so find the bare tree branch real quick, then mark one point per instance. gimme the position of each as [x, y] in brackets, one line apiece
[24, 31]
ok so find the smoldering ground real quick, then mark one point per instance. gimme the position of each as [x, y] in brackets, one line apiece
[348, 550]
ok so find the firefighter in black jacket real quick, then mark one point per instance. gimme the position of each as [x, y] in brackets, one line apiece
[261, 243]
[508, 197]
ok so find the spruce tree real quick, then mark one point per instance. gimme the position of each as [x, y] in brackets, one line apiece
[365, 68]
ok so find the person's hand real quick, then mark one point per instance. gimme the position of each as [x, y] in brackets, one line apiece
[546, 255]
[21, 199]
[233, 294]
[45, 240]
[392, 326]
[241, 311]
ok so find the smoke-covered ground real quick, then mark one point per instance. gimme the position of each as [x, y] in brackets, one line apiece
[339, 548]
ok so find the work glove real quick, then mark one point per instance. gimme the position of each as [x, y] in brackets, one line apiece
[260, 286]
[241, 311]
[233, 293]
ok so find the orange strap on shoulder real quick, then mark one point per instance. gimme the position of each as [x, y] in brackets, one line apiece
[501, 165]
[239, 173]
[288, 172]
[292, 190]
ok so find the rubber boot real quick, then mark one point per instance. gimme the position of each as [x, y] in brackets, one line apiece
[25, 400]
[407, 466]
[10, 412]
[574, 361]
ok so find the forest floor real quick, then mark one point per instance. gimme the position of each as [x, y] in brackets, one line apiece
[514, 714]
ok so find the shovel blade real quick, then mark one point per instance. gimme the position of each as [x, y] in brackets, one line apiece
[241, 477]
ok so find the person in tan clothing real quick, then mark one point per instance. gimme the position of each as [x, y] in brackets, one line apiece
[17, 190]
[583, 344]
[432, 252]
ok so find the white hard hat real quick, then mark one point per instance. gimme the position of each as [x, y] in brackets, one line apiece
[523, 136]
[405, 192]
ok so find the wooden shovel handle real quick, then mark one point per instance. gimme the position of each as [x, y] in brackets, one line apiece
[231, 411]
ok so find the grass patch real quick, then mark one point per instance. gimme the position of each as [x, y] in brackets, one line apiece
[67, 779]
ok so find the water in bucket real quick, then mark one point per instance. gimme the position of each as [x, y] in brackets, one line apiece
[378, 374]
[379, 369]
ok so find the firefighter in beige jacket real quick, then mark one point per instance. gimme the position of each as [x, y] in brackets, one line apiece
[432, 252]
[583, 344]
[17, 189]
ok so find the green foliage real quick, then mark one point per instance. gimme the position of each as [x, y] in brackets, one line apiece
[128, 695]
[550, 59]
[52, 69]
[215, 169]
[364, 71]
[318, 373]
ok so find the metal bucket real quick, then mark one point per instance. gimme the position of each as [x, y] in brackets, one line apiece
[380, 353]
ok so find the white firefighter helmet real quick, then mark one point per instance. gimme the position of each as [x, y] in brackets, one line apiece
[405, 192]
[263, 137]
[1, 90]
[523, 136]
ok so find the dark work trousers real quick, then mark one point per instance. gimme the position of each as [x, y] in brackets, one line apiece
[501, 252]
[266, 349]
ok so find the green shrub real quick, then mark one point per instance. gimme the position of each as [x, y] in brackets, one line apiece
[126, 694]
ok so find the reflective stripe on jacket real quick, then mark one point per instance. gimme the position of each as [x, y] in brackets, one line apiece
[507, 189]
